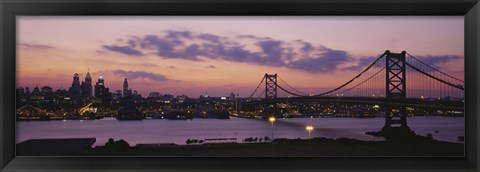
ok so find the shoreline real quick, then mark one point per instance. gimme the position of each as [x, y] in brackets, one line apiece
[324, 128]
[316, 147]
[418, 146]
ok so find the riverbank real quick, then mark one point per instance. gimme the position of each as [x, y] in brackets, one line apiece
[420, 146]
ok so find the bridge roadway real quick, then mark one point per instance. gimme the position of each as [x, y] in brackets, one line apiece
[409, 102]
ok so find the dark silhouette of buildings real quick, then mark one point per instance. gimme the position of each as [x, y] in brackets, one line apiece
[75, 91]
[102, 94]
[87, 87]
[154, 95]
[126, 91]
[84, 93]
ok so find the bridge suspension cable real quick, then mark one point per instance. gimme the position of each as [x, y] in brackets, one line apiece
[289, 92]
[256, 89]
[368, 79]
[435, 68]
[304, 94]
[341, 86]
[367, 82]
[351, 80]
[433, 77]
[354, 78]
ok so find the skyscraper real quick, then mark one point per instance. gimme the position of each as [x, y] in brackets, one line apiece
[75, 90]
[101, 81]
[125, 88]
[100, 87]
[87, 86]
[101, 92]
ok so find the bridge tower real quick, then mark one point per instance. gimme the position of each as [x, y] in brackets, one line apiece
[270, 94]
[396, 114]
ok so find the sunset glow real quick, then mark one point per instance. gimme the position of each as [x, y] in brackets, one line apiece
[220, 55]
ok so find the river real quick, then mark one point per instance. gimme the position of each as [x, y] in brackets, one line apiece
[178, 131]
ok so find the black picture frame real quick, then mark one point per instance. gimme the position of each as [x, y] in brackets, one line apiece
[11, 8]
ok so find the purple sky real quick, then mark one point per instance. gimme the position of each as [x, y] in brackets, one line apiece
[219, 55]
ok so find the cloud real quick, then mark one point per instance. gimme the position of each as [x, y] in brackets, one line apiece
[178, 34]
[265, 51]
[140, 74]
[307, 47]
[325, 62]
[124, 50]
[100, 52]
[273, 52]
[37, 46]
[210, 37]
[171, 46]
[171, 67]
[148, 64]
[211, 66]
[362, 62]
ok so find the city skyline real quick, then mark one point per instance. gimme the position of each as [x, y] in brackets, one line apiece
[101, 82]
[186, 55]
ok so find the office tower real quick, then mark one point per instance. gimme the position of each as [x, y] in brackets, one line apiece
[75, 91]
[87, 86]
[125, 88]
[100, 87]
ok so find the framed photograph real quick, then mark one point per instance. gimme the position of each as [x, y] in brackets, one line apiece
[251, 85]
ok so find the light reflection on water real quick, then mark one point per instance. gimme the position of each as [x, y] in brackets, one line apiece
[178, 131]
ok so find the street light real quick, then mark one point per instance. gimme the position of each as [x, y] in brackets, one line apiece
[272, 120]
[309, 128]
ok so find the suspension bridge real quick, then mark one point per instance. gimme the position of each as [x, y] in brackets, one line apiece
[395, 81]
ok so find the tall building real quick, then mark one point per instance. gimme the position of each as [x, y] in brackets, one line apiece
[117, 95]
[36, 94]
[101, 92]
[47, 92]
[47, 89]
[125, 88]
[127, 92]
[87, 86]
[100, 87]
[75, 91]
[101, 81]
[154, 95]
[20, 96]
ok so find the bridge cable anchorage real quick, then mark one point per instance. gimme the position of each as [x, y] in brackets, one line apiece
[259, 84]
[436, 69]
[305, 94]
[433, 77]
